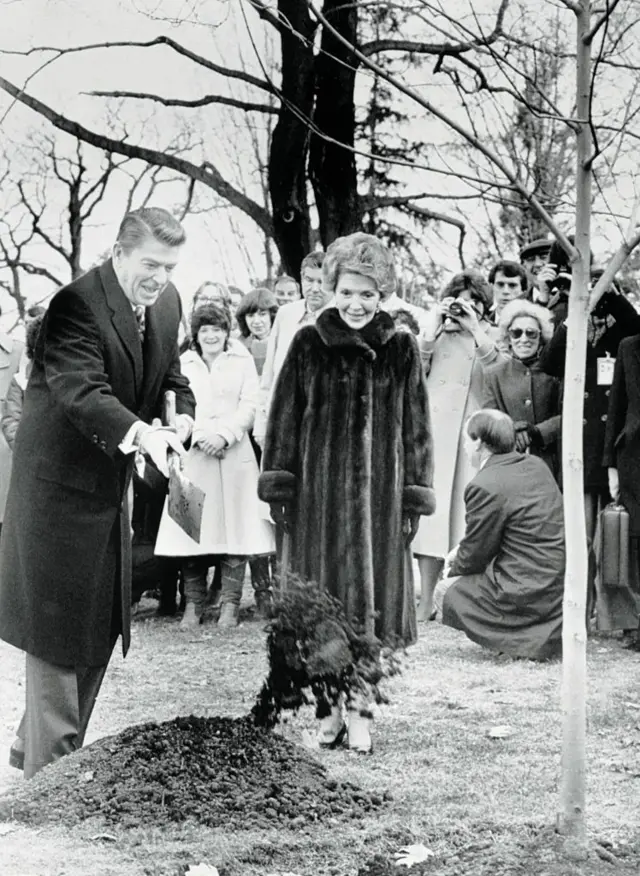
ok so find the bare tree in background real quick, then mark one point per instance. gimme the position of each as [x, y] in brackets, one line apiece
[40, 240]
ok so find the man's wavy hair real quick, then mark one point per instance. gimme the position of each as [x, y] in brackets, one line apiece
[522, 307]
[362, 254]
[494, 428]
[149, 222]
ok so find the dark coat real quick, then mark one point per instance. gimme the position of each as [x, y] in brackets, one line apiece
[512, 559]
[65, 558]
[527, 394]
[596, 398]
[349, 442]
[622, 438]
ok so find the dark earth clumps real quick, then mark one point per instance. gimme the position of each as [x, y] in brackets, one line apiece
[215, 771]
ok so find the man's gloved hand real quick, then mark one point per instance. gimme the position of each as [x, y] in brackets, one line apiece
[156, 443]
[410, 524]
[523, 440]
[282, 515]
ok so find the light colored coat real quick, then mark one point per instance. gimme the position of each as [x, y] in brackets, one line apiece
[10, 355]
[234, 521]
[455, 383]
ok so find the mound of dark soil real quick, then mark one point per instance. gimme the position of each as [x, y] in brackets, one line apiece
[215, 771]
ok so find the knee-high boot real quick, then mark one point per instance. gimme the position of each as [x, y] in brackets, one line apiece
[194, 576]
[233, 569]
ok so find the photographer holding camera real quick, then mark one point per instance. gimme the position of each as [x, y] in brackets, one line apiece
[455, 352]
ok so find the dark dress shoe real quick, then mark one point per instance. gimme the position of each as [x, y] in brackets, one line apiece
[16, 758]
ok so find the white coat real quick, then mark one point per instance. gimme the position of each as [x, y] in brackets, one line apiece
[454, 382]
[234, 520]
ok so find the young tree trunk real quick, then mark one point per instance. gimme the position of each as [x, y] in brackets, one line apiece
[290, 141]
[571, 818]
[332, 168]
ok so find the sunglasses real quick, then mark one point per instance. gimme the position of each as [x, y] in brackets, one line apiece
[531, 334]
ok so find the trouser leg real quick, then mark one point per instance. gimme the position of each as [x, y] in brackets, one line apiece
[233, 569]
[262, 584]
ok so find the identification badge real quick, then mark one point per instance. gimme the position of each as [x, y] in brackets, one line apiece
[605, 371]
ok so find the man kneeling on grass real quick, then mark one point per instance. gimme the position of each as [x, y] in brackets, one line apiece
[505, 579]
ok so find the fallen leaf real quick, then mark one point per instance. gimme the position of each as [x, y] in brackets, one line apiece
[202, 870]
[88, 776]
[502, 731]
[410, 855]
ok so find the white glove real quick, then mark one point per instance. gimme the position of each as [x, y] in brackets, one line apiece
[614, 484]
[156, 443]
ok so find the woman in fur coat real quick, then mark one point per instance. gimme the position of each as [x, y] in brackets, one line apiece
[347, 458]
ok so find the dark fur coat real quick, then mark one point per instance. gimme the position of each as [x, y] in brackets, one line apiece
[349, 446]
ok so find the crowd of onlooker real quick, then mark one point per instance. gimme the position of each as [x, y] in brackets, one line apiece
[484, 343]
[347, 435]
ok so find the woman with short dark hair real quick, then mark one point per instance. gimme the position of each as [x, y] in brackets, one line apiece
[455, 353]
[255, 316]
[221, 461]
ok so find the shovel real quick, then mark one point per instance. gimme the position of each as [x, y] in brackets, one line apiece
[185, 499]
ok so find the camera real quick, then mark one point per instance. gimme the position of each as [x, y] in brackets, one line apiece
[456, 309]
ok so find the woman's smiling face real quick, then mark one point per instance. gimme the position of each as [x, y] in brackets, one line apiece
[356, 298]
[524, 337]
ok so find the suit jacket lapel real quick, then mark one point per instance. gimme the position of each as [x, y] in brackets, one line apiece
[123, 319]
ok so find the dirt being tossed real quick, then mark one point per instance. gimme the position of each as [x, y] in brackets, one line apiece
[214, 771]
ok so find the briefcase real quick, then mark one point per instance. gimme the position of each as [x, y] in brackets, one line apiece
[614, 565]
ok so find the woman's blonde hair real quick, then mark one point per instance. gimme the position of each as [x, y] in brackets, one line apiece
[522, 307]
[363, 254]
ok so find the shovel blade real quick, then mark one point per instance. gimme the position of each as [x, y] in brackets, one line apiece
[185, 504]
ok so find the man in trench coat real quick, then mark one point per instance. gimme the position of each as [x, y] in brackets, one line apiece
[106, 353]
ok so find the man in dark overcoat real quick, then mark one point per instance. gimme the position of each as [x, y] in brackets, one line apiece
[105, 356]
[507, 572]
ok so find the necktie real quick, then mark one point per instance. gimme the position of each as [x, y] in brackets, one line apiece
[140, 313]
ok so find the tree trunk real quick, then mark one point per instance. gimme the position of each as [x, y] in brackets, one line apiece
[332, 168]
[290, 141]
[571, 818]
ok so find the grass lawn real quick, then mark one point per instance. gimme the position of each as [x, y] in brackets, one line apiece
[483, 806]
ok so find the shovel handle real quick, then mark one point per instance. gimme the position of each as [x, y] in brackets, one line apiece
[169, 409]
[169, 419]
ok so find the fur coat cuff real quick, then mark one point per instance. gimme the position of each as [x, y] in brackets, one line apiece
[418, 500]
[277, 486]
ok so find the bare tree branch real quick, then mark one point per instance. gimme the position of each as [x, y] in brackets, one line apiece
[158, 41]
[604, 18]
[451, 123]
[441, 49]
[197, 102]
[205, 173]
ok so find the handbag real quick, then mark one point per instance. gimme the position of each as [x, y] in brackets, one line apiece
[614, 554]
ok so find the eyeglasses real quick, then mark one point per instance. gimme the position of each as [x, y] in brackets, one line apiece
[531, 334]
